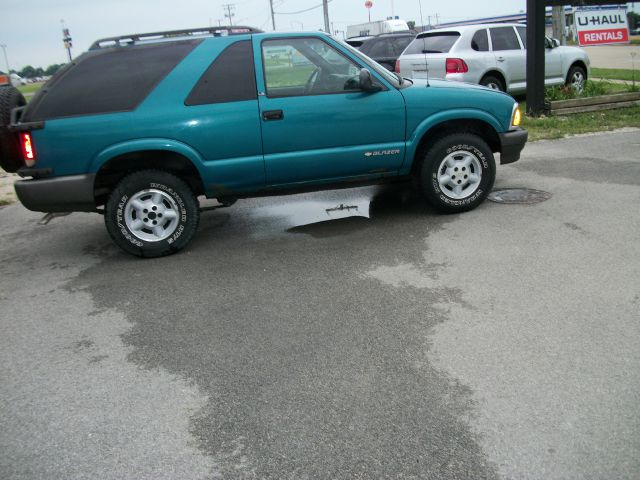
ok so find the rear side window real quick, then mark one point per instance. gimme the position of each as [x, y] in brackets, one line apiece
[522, 31]
[381, 48]
[355, 43]
[504, 38]
[480, 41]
[110, 80]
[400, 43]
[433, 43]
[230, 78]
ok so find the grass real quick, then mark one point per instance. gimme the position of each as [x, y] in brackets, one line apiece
[289, 77]
[30, 88]
[616, 73]
[5, 201]
[560, 126]
[592, 88]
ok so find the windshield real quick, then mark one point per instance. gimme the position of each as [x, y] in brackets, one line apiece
[432, 43]
[373, 65]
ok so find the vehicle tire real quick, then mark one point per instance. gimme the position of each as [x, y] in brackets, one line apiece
[152, 213]
[576, 78]
[457, 173]
[10, 154]
[493, 82]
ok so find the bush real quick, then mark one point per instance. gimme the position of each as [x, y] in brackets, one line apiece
[591, 89]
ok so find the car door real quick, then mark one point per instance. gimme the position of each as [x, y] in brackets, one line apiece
[510, 57]
[317, 124]
[553, 73]
[553, 67]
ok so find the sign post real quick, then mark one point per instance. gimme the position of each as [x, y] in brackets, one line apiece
[368, 4]
[601, 26]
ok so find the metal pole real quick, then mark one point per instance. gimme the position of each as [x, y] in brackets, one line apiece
[535, 57]
[273, 17]
[421, 19]
[6, 59]
[325, 8]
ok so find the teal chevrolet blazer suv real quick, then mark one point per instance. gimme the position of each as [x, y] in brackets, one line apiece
[140, 126]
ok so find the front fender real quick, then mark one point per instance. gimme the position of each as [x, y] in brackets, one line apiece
[143, 144]
[441, 117]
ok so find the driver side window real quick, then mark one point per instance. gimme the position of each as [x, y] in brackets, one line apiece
[306, 66]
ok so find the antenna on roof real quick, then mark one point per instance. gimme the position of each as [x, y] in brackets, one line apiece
[426, 63]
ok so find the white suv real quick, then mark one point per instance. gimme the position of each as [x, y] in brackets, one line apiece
[493, 55]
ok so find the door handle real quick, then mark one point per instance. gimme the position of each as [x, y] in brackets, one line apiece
[272, 115]
[500, 59]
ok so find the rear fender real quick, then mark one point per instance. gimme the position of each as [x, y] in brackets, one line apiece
[146, 144]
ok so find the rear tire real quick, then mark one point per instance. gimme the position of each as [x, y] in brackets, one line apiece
[457, 173]
[493, 82]
[152, 213]
[10, 154]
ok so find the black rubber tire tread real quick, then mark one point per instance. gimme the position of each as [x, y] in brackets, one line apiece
[572, 70]
[487, 79]
[430, 161]
[10, 153]
[141, 180]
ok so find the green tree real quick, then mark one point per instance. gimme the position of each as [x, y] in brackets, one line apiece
[28, 72]
[51, 69]
[412, 24]
[634, 20]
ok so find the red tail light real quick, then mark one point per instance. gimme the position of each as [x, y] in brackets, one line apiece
[456, 65]
[397, 69]
[28, 152]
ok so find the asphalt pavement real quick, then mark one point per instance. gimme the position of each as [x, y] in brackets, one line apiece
[343, 334]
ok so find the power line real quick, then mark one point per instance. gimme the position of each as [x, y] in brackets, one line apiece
[303, 11]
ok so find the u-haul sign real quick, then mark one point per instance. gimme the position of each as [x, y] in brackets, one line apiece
[599, 27]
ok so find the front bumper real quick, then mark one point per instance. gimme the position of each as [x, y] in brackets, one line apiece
[72, 193]
[511, 144]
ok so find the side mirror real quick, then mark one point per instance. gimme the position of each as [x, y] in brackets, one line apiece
[366, 82]
[555, 42]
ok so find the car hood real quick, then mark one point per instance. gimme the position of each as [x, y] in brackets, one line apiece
[440, 98]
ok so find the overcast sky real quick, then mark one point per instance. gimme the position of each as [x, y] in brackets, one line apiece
[31, 29]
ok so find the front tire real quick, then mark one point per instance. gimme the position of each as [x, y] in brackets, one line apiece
[576, 78]
[457, 173]
[152, 213]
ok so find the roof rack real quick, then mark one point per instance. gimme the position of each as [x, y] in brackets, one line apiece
[190, 32]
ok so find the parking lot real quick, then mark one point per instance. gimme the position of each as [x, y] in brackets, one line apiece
[344, 334]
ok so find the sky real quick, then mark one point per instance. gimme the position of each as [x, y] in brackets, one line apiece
[32, 31]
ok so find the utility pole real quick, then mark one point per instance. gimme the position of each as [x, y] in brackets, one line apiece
[393, 10]
[6, 59]
[325, 8]
[66, 39]
[229, 7]
[558, 22]
[421, 19]
[273, 17]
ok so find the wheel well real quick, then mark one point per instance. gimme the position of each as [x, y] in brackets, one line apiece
[118, 167]
[475, 127]
[497, 74]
